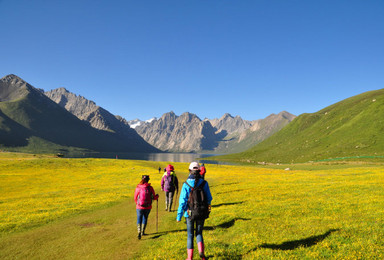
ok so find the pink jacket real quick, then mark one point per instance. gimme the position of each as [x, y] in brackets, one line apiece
[138, 188]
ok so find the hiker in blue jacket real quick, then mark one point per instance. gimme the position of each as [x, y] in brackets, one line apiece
[184, 209]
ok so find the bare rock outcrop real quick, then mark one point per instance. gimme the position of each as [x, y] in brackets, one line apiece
[184, 133]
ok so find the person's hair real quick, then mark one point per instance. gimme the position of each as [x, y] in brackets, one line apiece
[195, 172]
[144, 179]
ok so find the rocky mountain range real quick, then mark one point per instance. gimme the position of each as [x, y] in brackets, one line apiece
[188, 133]
[171, 133]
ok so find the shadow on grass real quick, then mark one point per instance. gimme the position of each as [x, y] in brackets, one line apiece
[226, 192]
[227, 204]
[306, 242]
[225, 184]
[289, 245]
[225, 225]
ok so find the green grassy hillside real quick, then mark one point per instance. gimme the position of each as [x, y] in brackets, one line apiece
[351, 128]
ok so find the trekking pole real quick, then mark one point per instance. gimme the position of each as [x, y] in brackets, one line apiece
[157, 214]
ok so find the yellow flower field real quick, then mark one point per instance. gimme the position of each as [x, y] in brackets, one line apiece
[257, 213]
[36, 191]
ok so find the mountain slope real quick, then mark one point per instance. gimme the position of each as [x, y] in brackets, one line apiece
[88, 111]
[352, 127]
[260, 130]
[32, 121]
[230, 125]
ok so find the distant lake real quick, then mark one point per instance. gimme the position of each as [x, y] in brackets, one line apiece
[158, 157]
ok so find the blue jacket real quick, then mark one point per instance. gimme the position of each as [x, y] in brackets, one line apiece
[184, 194]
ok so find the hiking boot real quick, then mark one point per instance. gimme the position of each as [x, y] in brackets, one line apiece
[200, 246]
[189, 254]
[170, 207]
[139, 231]
[143, 226]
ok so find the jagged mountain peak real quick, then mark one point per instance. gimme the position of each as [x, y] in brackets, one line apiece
[11, 77]
[169, 116]
[14, 80]
[189, 117]
[282, 114]
[13, 87]
[62, 90]
[287, 115]
[226, 116]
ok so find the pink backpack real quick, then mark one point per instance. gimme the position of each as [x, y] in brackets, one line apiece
[145, 197]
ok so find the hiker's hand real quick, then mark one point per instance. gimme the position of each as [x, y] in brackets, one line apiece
[209, 208]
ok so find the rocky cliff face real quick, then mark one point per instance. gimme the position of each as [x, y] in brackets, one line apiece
[185, 133]
[88, 111]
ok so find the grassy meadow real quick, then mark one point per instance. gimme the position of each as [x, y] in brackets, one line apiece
[57, 208]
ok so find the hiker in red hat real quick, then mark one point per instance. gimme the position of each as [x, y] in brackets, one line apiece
[169, 184]
[144, 194]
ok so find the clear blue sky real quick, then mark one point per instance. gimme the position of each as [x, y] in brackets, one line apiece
[140, 59]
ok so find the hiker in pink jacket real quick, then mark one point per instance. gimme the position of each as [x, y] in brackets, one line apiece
[144, 194]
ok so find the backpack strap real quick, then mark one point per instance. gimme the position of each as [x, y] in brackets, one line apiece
[189, 185]
[194, 186]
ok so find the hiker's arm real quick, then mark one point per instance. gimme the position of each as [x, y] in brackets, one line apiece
[183, 199]
[154, 195]
[136, 194]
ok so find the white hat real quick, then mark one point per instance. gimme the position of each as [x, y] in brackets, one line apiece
[194, 165]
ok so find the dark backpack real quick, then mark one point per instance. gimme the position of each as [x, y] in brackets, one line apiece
[145, 197]
[197, 202]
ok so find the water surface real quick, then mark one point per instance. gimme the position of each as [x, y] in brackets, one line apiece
[158, 157]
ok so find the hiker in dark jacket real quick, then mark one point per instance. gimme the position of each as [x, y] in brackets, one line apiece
[144, 194]
[193, 178]
[169, 184]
